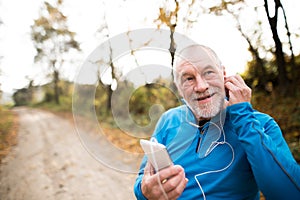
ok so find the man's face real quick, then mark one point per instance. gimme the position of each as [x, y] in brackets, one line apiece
[201, 82]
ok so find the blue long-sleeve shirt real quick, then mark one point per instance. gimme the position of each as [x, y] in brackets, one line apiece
[236, 154]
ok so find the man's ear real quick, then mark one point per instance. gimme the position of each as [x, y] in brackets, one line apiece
[224, 71]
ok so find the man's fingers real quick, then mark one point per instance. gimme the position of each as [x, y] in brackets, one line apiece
[237, 89]
[175, 193]
[175, 184]
[230, 86]
[240, 79]
[175, 181]
[169, 172]
[236, 80]
[171, 179]
[147, 169]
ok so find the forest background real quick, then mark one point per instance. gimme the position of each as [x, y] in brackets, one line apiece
[273, 70]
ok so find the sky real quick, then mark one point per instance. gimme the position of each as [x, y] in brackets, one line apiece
[17, 63]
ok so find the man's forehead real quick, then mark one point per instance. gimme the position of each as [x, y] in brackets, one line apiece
[197, 56]
[186, 67]
[194, 54]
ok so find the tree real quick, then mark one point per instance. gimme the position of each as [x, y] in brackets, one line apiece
[280, 58]
[169, 16]
[52, 40]
[260, 72]
[104, 62]
[281, 63]
[256, 75]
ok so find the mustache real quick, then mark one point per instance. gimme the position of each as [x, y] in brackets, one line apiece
[202, 95]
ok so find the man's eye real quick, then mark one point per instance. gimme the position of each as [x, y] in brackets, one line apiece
[208, 72]
[189, 78]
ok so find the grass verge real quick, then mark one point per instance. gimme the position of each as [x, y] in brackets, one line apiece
[8, 131]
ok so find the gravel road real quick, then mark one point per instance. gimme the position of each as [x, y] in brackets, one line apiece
[49, 162]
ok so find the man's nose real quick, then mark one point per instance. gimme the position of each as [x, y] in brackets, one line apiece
[201, 84]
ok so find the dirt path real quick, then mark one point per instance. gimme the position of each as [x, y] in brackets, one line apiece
[49, 162]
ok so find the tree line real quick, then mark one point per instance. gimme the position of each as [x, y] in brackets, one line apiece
[52, 40]
[278, 74]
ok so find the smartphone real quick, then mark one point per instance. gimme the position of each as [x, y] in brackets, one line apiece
[157, 154]
[227, 94]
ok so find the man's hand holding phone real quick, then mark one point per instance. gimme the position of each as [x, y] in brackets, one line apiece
[162, 179]
[237, 90]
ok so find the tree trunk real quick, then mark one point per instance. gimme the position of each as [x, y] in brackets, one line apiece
[56, 87]
[280, 61]
[172, 48]
[109, 97]
[260, 70]
[294, 74]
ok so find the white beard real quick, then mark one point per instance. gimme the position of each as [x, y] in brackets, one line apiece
[209, 109]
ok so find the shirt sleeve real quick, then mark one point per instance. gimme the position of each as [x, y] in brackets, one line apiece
[137, 189]
[275, 170]
[138, 183]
